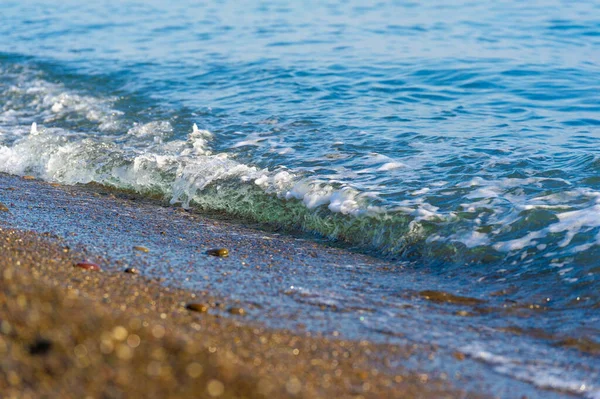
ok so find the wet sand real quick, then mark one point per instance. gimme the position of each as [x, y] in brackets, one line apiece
[70, 332]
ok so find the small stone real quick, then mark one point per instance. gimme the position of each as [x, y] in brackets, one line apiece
[445, 297]
[28, 177]
[463, 313]
[141, 249]
[3, 208]
[40, 347]
[132, 270]
[237, 311]
[197, 307]
[221, 252]
[88, 266]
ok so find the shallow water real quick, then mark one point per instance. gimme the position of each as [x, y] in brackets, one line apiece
[460, 140]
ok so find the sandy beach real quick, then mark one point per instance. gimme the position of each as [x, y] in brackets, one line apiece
[277, 198]
[70, 332]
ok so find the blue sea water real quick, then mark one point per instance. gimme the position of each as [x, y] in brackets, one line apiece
[460, 137]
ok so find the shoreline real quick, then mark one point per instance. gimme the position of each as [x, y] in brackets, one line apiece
[70, 331]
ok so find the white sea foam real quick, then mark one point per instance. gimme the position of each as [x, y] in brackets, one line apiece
[541, 373]
[311, 194]
[151, 158]
[70, 157]
[159, 129]
[472, 238]
[391, 166]
[250, 140]
[199, 139]
[32, 97]
[570, 223]
[182, 169]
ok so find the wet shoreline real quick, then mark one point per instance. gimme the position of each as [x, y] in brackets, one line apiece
[281, 283]
[68, 331]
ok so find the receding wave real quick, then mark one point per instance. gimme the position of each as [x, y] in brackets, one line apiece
[186, 173]
[59, 134]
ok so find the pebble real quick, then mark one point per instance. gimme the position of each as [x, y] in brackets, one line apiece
[445, 297]
[197, 307]
[236, 310]
[40, 347]
[3, 208]
[132, 270]
[28, 177]
[463, 313]
[222, 252]
[88, 266]
[141, 249]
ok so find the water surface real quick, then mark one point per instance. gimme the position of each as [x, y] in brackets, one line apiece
[458, 139]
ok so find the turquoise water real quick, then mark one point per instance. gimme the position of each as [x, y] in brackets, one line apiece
[460, 137]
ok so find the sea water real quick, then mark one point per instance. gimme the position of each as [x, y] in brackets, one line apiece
[458, 138]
